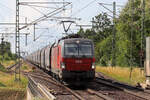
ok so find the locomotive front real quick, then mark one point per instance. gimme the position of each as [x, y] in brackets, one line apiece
[78, 62]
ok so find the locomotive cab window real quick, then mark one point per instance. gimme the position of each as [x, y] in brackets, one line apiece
[85, 50]
[82, 49]
[71, 49]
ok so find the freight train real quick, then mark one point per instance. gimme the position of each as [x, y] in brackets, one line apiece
[71, 59]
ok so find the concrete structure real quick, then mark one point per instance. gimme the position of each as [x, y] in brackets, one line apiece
[147, 67]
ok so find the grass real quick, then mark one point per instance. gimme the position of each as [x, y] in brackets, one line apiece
[12, 94]
[122, 74]
[2, 68]
[7, 63]
[13, 90]
[8, 81]
[25, 67]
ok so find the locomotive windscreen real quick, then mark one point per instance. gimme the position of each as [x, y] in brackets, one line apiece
[71, 49]
[85, 49]
[80, 49]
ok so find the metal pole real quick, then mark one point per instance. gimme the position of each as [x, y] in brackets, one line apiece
[131, 52]
[114, 36]
[26, 20]
[17, 69]
[26, 42]
[34, 33]
[142, 34]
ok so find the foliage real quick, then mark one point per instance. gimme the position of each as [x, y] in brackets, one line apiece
[5, 51]
[126, 23]
[2, 68]
[101, 34]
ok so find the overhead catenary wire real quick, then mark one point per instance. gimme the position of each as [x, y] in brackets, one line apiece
[41, 6]
[50, 14]
[38, 11]
[55, 4]
[107, 8]
[78, 11]
[111, 4]
[14, 11]
[25, 3]
[42, 14]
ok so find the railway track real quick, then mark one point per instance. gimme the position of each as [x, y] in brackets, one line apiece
[97, 90]
[118, 93]
[62, 92]
[115, 82]
[135, 91]
[12, 66]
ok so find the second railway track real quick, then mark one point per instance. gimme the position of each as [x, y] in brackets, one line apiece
[135, 91]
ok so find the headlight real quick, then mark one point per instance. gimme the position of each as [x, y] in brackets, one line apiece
[93, 66]
[62, 65]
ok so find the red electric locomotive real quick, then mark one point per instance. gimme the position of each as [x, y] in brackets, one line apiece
[71, 60]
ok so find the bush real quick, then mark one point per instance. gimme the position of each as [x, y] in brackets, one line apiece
[2, 68]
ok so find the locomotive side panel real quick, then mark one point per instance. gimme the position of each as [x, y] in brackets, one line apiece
[54, 57]
[59, 57]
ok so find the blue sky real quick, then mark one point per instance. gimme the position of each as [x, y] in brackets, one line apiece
[84, 9]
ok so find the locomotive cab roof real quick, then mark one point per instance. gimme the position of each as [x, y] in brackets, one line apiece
[77, 39]
[73, 37]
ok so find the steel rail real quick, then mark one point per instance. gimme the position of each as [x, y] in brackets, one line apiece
[61, 85]
[98, 80]
[10, 67]
[115, 82]
[46, 92]
[33, 87]
[99, 94]
[42, 78]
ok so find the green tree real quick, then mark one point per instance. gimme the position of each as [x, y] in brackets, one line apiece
[5, 51]
[100, 33]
